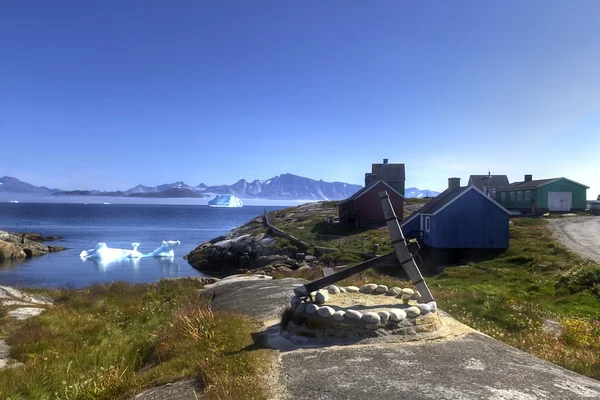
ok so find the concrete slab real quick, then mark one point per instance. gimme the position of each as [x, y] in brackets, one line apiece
[463, 365]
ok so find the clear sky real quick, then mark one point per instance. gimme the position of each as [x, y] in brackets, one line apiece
[108, 94]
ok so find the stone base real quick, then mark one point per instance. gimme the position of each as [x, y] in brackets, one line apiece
[318, 327]
[359, 313]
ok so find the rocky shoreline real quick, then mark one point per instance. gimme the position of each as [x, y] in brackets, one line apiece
[16, 246]
[249, 248]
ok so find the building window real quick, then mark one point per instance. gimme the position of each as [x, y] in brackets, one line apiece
[519, 196]
[512, 196]
[503, 196]
[527, 195]
[427, 224]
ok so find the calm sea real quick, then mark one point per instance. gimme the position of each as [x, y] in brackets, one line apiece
[118, 225]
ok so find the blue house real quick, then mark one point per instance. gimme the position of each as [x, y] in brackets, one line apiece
[460, 218]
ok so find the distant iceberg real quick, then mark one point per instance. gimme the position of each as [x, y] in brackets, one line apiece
[225, 200]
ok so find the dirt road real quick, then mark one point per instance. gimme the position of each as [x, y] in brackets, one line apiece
[580, 234]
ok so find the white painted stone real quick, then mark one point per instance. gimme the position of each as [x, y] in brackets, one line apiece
[424, 308]
[384, 315]
[325, 311]
[313, 294]
[321, 297]
[342, 289]
[339, 315]
[371, 317]
[332, 289]
[26, 312]
[416, 295]
[397, 314]
[352, 289]
[353, 314]
[406, 293]
[295, 301]
[394, 291]
[312, 308]
[368, 288]
[301, 307]
[433, 306]
[300, 291]
[413, 312]
[380, 289]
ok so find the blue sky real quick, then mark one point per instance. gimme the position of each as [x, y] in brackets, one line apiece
[109, 94]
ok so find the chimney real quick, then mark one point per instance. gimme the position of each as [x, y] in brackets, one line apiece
[385, 160]
[453, 183]
[528, 178]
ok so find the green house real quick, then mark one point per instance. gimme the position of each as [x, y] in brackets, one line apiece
[543, 195]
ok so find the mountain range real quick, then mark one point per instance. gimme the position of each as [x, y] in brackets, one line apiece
[281, 187]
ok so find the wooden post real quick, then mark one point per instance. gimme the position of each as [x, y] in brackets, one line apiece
[399, 243]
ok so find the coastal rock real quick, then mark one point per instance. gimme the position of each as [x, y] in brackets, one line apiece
[11, 251]
[18, 246]
[243, 249]
[368, 288]
[26, 312]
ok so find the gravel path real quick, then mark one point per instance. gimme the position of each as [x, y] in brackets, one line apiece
[580, 234]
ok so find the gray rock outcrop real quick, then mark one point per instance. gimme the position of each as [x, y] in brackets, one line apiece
[14, 246]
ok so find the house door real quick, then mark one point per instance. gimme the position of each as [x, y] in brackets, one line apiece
[560, 201]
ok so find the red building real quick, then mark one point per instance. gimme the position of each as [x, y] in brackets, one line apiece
[363, 209]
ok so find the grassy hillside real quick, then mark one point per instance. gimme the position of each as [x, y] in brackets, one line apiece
[511, 297]
[111, 341]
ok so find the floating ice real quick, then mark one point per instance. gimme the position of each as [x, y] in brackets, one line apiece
[107, 254]
[225, 201]
[165, 249]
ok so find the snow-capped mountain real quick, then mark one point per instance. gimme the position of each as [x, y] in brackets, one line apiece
[280, 187]
[289, 186]
[176, 185]
[414, 192]
[160, 188]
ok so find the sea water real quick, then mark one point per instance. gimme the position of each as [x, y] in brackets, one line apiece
[118, 225]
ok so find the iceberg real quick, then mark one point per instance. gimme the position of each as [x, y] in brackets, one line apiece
[106, 254]
[225, 200]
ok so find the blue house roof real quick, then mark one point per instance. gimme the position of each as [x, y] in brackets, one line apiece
[447, 197]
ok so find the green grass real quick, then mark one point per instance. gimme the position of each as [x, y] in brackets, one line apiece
[509, 296]
[112, 341]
